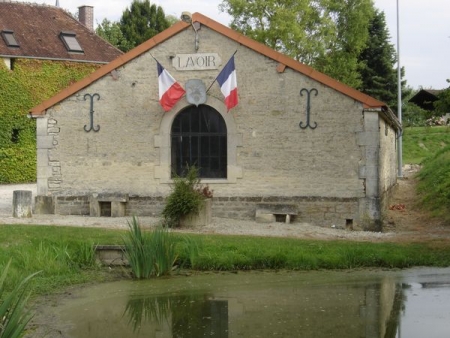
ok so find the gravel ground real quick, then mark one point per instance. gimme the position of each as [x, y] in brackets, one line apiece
[218, 225]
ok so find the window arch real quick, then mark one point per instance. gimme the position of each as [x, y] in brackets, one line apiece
[199, 137]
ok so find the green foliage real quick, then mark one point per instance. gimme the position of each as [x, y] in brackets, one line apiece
[110, 31]
[422, 142]
[149, 253]
[328, 35]
[443, 104]
[13, 314]
[186, 197]
[141, 22]
[434, 184]
[28, 84]
[378, 59]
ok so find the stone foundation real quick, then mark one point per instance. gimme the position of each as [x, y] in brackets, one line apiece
[327, 212]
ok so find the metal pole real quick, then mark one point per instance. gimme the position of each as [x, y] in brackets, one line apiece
[399, 96]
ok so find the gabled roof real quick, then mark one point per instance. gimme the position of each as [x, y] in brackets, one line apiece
[283, 60]
[37, 29]
[425, 98]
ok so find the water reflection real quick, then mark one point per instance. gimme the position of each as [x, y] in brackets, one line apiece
[188, 316]
[381, 304]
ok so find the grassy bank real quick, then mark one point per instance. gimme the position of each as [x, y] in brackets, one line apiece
[422, 142]
[430, 147]
[62, 253]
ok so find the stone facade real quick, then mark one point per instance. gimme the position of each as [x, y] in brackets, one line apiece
[336, 174]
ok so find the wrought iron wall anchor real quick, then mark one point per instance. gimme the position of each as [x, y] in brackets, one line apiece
[91, 112]
[308, 107]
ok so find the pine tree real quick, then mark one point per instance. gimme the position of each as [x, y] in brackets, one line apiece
[141, 22]
[378, 59]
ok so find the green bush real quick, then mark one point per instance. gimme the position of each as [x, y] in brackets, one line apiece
[187, 196]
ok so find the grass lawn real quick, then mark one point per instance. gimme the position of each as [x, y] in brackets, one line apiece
[64, 254]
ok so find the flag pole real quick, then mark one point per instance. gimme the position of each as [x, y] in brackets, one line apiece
[220, 71]
[399, 94]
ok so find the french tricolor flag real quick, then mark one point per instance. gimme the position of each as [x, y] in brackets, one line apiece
[228, 84]
[170, 91]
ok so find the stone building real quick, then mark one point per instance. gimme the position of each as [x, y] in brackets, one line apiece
[298, 140]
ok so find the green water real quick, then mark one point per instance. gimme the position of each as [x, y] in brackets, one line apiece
[409, 303]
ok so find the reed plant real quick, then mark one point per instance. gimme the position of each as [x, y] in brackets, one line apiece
[149, 253]
[13, 313]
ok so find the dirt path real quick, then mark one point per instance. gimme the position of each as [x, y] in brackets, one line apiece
[408, 219]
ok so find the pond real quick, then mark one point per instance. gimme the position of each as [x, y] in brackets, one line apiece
[366, 303]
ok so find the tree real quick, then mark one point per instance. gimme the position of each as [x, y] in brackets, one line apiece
[377, 61]
[378, 65]
[443, 104]
[141, 22]
[325, 34]
[110, 31]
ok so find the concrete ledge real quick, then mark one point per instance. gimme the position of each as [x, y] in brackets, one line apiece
[110, 255]
[266, 212]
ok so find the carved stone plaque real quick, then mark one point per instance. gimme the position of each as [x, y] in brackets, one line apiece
[195, 92]
[199, 61]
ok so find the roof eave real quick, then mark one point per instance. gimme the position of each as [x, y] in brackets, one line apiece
[40, 109]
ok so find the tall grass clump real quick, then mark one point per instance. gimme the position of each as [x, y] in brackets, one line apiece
[13, 313]
[434, 183]
[149, 253]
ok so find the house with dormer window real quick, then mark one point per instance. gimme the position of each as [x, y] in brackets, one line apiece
[43, 49]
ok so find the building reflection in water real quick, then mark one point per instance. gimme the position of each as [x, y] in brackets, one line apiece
[353, 310]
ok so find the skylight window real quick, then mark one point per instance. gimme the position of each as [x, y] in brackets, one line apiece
[9, 38]
[70, 41]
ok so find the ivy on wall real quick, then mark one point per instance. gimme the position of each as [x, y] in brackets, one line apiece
[28, 84]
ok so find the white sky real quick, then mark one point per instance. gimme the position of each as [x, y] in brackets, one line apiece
[424, 30]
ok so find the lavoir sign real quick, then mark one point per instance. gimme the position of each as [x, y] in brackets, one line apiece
[200, 61]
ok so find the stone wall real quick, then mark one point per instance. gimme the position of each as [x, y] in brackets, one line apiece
[268, 153]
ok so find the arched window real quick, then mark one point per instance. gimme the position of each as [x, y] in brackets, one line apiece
[199, 137]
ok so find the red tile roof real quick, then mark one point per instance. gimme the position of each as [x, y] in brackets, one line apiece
[37, 30]
[284, 61]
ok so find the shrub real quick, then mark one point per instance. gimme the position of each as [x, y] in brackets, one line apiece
[187, 196]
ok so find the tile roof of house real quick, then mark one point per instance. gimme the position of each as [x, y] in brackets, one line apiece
[283, 60]
[37, 30]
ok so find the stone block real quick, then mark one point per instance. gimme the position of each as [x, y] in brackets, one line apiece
[44, 205]
[22, 203]
[202, 218]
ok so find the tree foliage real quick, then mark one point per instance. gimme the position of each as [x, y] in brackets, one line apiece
[111, 32]
[378, 66]
[443, 104]
[328, 35]
[377, 60]
[142, 21]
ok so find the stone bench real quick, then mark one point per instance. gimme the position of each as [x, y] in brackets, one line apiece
[108, 205]
[267, 212]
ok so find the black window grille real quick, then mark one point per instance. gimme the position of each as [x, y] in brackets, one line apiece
[199, 137]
